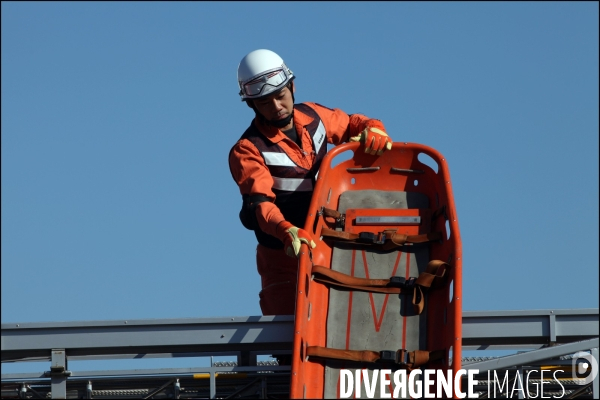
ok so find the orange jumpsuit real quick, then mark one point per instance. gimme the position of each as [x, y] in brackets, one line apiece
[250, 171]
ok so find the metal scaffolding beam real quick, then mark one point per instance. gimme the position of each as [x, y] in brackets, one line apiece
[481, 330]
[34, 341]
[484, 330]
[533, 356]
[246, 338]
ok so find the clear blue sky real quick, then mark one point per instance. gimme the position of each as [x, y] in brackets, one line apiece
[117, 118]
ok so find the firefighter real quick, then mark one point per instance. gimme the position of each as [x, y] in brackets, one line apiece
[275, 163]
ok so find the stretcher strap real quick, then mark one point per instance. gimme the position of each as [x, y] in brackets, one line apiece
[408, 359]
[432, 276]
[329, 276]
[340, 219]
[328, 212]
[387, 240]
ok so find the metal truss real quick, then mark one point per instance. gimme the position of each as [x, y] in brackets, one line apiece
[549, 335]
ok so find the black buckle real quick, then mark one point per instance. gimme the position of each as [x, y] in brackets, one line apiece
[371, 238]
[402, 283]
[395, 357]
[387, 356]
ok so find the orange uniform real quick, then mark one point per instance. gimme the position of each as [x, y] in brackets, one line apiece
[269, 165]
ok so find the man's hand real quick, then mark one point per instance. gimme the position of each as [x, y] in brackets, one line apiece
[293, 237]
[376, 141]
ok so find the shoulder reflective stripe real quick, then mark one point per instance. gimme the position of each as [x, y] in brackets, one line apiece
[292, 184]
[319, 136]
[280, 159]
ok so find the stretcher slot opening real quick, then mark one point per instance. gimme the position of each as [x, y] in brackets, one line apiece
[430, 162]
[306, 284]
[340, 158]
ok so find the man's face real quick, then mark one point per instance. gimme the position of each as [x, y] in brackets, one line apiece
[277, 106]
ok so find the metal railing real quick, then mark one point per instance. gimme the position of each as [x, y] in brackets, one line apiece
[546, 333]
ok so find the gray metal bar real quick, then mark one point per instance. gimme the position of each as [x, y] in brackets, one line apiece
[38, 395]
[213, 384]
[596, 382]
[249, 336]
[143, 373]
[487, 328]
[481, 330]
[176, 388]
[160, 389]
[552, 326]
[524, 313]
[147, 336]
[263, 389]
[143, 356]
[241, 392]
[58, 369]
[157, 355]
[278, 318]
[532, 356]
[508, 346]
[576, 393]
[146, 322]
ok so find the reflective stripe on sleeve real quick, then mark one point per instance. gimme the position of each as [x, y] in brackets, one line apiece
[292, 184]
[278, 159]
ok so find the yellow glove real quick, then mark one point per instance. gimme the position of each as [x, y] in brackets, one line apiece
[376, 141]
[293, 237]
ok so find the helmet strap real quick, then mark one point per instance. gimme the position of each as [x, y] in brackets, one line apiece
[291, 89]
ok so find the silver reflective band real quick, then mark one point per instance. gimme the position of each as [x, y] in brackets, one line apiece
[292, 184]
[388, 220]
[319, 136]
[279, 159]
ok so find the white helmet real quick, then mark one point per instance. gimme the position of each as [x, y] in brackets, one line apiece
[261, 73]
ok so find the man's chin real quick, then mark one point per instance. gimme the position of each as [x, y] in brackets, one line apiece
[280, 123]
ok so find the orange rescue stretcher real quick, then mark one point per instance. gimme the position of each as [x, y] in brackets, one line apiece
[383, 287]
